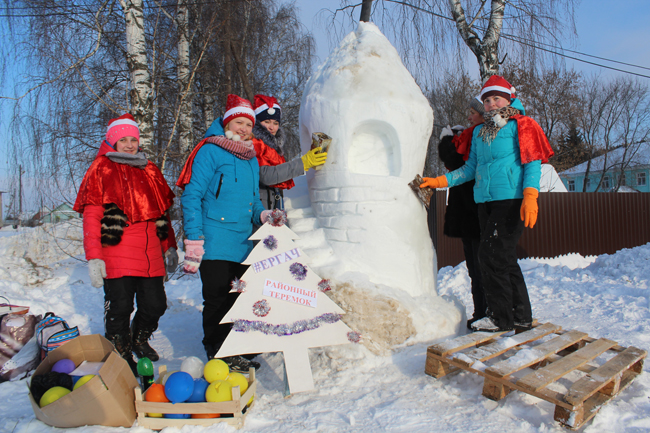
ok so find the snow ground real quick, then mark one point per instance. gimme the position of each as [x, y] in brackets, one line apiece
[605, 296]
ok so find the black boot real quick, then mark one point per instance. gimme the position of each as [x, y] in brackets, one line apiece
[122, 344]
[141, 346]
[240, 364]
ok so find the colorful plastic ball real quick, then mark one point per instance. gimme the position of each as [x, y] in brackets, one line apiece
[238, 379]
[193, 366]
[145, 367]
[83, 380]
[179, 387]
[215, 369]
[75, 379]
[165, 376]
[156, 393]
[177, 415]
[198, 395]
[64, 366]
[219, 390]
[205, 415]
[52, 395]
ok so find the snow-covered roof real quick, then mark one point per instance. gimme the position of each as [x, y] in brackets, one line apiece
[637, 155]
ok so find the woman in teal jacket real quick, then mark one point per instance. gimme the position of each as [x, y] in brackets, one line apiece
[505, 160]
[220, 205]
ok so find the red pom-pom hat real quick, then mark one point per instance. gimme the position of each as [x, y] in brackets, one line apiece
[497, 85]
[238, 107]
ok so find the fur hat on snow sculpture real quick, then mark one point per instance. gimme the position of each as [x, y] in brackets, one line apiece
[497, 86]
[266, 107]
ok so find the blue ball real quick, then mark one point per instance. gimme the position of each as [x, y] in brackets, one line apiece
[75, 379]
[177, 415]
[198, 395]
[179, 387]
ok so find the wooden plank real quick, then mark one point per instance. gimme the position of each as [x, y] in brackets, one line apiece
[495, 390]
[463, 342]
[437, 368]
[540, 378]
[610, 372]
[527, 357]
[502, 345]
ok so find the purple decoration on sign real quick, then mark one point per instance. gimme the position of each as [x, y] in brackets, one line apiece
[261, 308]
[354, 337]
[324, 285]
[286, 328]
[270, 242]
[298, 270]
[238, 285]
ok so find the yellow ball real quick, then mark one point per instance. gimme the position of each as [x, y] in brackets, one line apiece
[155, 415]
[238, 379]
[219, 390]
[53, 394]
[82, 380]
[215, 369]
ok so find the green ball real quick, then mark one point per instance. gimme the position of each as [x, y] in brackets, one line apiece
[53, 394]
[145, 367]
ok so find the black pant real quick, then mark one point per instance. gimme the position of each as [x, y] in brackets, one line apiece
[470, 248]
[505, 288]
[149, 293]
[216, 276]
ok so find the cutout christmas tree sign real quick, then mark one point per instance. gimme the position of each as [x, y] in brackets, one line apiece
[282, 307]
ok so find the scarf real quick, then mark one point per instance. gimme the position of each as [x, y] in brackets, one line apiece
[494, 121]
[241, 149]
[275, 142]
[138, 160]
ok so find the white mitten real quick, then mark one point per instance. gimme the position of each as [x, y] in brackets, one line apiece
[446, 131]
[97, 272]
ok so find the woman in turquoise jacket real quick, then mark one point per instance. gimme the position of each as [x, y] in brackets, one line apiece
[220, 205]
[505, 160]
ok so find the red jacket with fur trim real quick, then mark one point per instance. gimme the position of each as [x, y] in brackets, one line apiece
[143, 195]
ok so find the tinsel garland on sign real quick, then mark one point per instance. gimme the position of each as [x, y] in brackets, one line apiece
[324, 285]
[261, 308]
[238, 285]
[354, 337]
[278, 218]
[298, 270]
[285, 328]
[270, 242]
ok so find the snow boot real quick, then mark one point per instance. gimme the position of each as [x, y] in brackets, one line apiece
[486, 324]
[122, 344]
[141, 346]
[240, 364]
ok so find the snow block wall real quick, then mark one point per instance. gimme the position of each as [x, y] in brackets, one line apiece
[361, 218]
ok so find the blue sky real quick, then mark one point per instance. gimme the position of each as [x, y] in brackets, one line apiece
[605, 28]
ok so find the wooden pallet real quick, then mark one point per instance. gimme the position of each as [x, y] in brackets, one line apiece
[564, 359]
[232, 412]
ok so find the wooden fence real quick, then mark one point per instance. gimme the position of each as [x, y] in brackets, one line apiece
[585, 223]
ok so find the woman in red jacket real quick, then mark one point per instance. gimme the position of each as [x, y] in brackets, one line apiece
[128, 237]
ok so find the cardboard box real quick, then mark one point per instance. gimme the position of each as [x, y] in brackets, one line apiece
[106, 399]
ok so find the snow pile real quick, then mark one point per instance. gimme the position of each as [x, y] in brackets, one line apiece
[357, 218]
[357, 391]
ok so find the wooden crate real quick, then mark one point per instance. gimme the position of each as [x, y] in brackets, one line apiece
[233, 412]
[520, 362]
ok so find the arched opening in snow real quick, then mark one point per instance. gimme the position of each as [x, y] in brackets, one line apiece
[374, 149]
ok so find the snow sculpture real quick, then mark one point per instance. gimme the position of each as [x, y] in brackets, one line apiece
[367, 229]
[380, 121]
[282, 307]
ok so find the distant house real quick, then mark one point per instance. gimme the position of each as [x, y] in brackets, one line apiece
[636, 169]
[62, 212]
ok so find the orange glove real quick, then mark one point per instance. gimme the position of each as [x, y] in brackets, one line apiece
[529, 207]
[434, 182]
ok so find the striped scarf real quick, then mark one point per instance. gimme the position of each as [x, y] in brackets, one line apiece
[241, 149]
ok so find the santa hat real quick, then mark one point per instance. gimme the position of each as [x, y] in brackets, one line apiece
[497, 85]
[238, 107]
[266, 107]
[123, 126]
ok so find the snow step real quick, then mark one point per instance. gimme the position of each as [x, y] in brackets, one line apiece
[534, 360]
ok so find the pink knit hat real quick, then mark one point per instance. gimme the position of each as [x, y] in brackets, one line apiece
[238, 107]
[123, 126]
